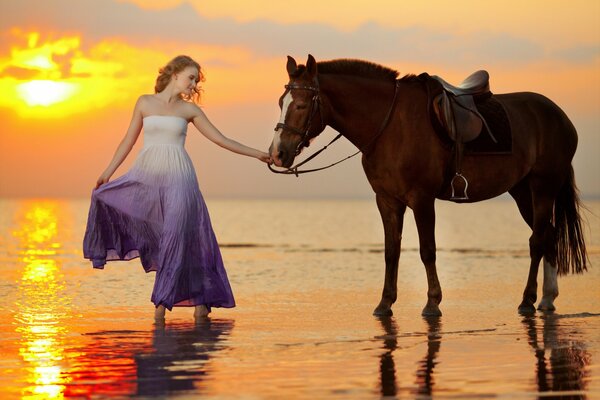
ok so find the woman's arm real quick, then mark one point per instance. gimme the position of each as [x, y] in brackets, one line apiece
[133, 132]
[205, 127]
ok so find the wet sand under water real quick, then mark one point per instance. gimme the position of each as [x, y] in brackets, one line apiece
[302, 327]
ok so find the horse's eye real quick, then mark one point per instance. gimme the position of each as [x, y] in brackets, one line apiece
[301, 107]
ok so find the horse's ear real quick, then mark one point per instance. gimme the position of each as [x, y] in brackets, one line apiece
[311, 66]
[291, 66]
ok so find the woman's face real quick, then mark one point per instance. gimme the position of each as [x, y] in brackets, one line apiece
[187, 79]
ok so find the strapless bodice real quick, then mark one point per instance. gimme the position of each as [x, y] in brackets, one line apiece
[164, 129]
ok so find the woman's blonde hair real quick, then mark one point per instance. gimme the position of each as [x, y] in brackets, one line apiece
[175, 66]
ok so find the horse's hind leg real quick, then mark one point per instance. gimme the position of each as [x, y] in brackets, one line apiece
[540, 242]
[392, 215]
[522, 195]
[550, 290]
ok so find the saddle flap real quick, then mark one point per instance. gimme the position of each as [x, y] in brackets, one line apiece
[468, 124]
[457, 117]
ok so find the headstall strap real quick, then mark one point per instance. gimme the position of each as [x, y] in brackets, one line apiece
[317, 100]
[314, 105]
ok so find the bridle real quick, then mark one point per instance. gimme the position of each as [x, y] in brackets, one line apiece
[304, 142]
[315, 105]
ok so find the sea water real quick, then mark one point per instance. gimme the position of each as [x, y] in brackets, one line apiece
[306, 275]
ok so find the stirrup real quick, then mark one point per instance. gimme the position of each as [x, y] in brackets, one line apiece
[464, 196]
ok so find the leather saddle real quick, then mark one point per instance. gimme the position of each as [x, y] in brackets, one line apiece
[456, 110]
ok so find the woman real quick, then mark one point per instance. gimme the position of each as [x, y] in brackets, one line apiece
[156, 211]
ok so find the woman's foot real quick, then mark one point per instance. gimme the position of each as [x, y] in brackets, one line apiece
[201, 311]
[159, 313]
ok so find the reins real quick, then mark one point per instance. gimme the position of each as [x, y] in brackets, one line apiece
[293, 170]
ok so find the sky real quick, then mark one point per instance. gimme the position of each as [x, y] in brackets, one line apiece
[71, 71]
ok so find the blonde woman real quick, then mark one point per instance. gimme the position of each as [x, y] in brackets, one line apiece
[156, 211]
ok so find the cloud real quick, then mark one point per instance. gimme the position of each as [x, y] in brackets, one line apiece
[579, 54]
[98, 19]
[19, 73]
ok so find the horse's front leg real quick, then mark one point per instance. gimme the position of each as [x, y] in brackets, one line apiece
[392, 215]
[424, 211]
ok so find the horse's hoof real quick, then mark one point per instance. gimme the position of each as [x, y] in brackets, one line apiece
[431, 311]
[526, 309]
[546, 305]
[383, 311]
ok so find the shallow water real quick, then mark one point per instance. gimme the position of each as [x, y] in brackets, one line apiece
[306, 275]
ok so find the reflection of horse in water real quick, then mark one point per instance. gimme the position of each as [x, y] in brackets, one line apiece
[179, 356]
[424, 378]
[424, 374]
[387, 367]
[562, 362]
[409, 163]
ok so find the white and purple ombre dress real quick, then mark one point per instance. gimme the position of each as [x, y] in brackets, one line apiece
[156, 212]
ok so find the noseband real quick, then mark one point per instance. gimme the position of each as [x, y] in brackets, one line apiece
[315, 105]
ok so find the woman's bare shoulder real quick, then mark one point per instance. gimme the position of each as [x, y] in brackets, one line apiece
[147, 104]
[145, 99]
[192, 110]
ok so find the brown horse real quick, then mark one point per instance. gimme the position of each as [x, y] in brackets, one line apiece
[408, 165]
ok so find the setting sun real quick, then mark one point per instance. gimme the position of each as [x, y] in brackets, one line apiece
[44, 92]
[53, 77]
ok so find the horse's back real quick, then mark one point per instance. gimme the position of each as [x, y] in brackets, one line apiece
[530, 98]
[535, 116]
[534, 104]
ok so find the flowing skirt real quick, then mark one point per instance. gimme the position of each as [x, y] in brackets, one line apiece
[156, 212]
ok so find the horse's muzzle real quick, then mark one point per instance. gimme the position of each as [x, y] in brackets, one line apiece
[275, 156]
[281, 156]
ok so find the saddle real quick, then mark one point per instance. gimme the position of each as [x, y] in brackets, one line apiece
[456, 111]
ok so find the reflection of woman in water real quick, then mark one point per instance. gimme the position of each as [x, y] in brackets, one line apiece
[156, 211]
[180, 356]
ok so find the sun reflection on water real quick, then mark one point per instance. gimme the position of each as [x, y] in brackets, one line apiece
[40, 309]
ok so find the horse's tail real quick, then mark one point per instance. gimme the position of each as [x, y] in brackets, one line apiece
[570, 244]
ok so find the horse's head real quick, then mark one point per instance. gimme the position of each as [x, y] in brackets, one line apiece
[301, 113]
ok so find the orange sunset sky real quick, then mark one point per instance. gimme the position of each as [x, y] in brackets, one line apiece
[71, 70]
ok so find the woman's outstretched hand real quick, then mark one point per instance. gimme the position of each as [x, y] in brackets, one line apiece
[104, 178]
[265, 157]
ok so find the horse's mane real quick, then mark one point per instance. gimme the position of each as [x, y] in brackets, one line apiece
[361, 68]
[365, 69]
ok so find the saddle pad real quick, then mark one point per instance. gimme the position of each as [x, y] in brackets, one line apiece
[497, 120]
